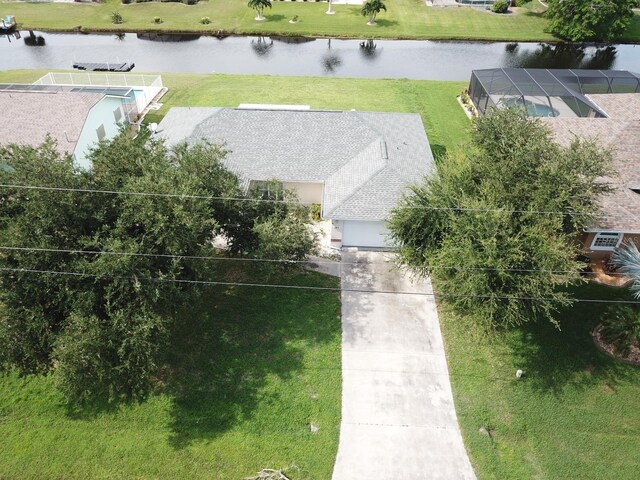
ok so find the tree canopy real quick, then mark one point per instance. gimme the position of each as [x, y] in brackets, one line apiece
[590, 20]
[497, 225]
[122, 263]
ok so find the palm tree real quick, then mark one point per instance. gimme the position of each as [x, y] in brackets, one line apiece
[621, 325]
[259, 6]
[627, 260]
[330, 11]
[371, 8]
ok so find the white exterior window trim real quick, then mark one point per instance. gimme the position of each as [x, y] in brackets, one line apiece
[599, 235]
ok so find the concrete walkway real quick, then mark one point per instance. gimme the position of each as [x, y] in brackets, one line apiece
[398, 417]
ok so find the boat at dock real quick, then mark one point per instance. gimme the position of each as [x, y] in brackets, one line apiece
[7, 24]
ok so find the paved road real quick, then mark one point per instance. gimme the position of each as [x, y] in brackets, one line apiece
[398, 417]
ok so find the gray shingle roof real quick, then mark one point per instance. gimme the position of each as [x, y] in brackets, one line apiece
[620, 132]
[365, 160]
[30, 116]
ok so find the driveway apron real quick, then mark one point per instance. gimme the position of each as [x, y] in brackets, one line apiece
[398, 416]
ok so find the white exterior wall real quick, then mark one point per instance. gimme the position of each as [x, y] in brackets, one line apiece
[102, 113]
[307, 192]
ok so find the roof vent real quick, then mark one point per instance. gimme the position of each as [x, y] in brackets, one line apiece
[383, 150]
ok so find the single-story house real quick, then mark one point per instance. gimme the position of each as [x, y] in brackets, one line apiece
[619, 130]
[76, 110]
[356, 165]
[74, 120]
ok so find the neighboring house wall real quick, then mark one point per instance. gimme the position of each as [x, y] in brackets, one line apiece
[100, 121]
[307, 192]
[599, 246]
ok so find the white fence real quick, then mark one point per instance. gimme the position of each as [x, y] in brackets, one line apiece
[101, 79]
[146, 87]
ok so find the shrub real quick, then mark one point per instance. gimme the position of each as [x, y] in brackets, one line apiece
[521, 3]
[116, 18]
[191, 2]
[205, 20]
[500, 6]
[621, 329]
[314, 211]
[157, 20]
[126, 2]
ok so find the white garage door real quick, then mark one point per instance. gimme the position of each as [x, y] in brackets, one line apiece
[364, 234]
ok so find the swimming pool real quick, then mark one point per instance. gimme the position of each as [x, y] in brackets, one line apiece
[533, 109]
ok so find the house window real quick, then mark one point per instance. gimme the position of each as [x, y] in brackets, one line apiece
[606, 241]
[101, 133]
[271, 189]
[117, 114]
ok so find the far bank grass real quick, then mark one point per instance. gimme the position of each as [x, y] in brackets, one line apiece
[404, 19]
[445, 122]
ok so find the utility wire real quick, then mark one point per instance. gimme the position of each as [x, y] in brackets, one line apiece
[308, 287]
[266, 260]
[292, 202]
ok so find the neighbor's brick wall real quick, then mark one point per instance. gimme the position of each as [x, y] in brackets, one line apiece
[602, 255]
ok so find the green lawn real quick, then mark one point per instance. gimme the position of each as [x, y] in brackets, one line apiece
[250, 369]
[574, 415]
[404, 19]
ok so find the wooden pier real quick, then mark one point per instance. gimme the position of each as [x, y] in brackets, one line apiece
[104, 67]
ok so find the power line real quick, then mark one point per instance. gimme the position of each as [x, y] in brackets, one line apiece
[267, 260]
[308, 287]
[291, 202]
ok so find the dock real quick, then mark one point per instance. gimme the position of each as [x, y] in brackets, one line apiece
[104, 66]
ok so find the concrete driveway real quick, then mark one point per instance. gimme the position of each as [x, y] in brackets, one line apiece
[398, 417]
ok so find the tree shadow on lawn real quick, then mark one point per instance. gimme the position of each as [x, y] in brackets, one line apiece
[439, 152]
[383, 22]
[229, 344]
[554, 359]
[276, 17]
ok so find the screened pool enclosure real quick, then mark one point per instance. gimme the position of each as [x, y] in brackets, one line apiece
[548, 93]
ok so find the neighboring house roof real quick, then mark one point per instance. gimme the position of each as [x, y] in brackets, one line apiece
[365, 160]
[30, 116]
[621, 132]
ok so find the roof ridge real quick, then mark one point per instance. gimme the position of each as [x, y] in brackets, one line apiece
[379, 166]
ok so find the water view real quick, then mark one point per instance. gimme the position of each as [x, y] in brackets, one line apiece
[426, 60]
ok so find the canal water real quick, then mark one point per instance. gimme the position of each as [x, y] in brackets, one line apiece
[428, 60]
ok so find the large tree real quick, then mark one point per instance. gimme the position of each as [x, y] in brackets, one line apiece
[590, 20]
[94, 294]
[489, 225]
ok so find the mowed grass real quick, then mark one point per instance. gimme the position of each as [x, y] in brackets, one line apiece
[248, 372]
[575, 414]
[404, 19]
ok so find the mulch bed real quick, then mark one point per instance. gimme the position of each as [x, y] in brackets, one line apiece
[633, 357]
